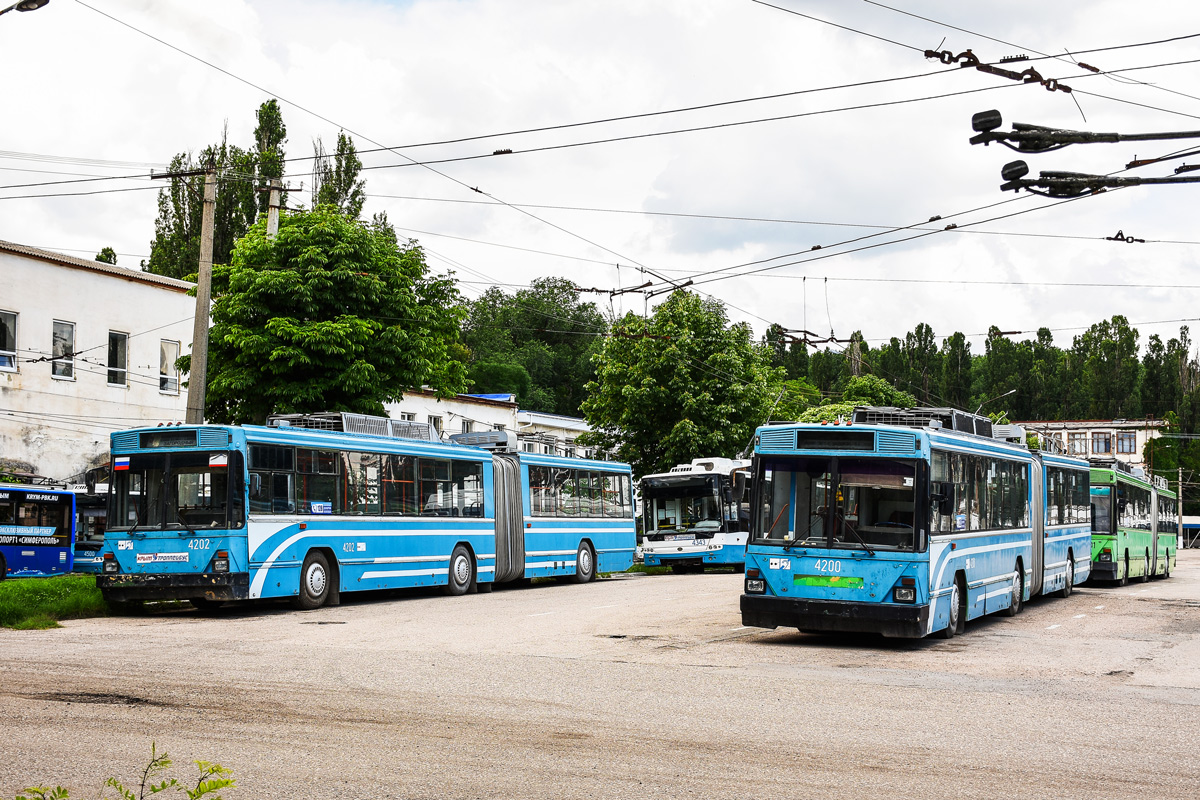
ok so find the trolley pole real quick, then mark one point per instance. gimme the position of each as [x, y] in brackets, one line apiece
[197, 383]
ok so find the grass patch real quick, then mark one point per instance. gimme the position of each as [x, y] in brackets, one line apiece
[37, 603]
[649, 570]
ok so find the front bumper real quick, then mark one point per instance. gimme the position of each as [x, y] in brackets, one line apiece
[890, 619]
[1104, 571]
[210, 586]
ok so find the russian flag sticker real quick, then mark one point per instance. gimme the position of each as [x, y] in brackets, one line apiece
[120, 463]
[220, 460]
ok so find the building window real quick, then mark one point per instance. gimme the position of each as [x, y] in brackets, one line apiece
[468, 426]
[168, 373]
[1078, 444]
[118, 347]
[62, 350]
[436, 422]
[1101, 443]
[1127, 442]
[408, 416]
[8, 341]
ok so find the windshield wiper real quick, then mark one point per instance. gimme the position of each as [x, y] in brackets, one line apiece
[179, 516]
[850, 528]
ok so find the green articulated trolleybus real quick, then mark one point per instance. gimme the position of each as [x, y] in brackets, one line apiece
[1135, 524]
[909, 522]
[307, 507]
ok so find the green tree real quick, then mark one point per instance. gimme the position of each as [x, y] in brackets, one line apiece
[791, 355]
[680, 385]
[270, 134]
[923, 361]
[175, 251]
[329, 315]
[1107, 354]
[863, 390]
[335, 180]
[955, 383]
[546, 331]
[107, 256]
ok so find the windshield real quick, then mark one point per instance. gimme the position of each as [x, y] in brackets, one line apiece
[686, 504]
[1101, 509]
[854, 503]
[179, 491]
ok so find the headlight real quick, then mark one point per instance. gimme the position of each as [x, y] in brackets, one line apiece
[756, 586]
[111, 566]
[1106, 555]
[904, 594]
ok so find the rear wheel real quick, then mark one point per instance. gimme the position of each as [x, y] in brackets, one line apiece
[1124, 579]
[1065, 591]
[1146, 568]
[3, 569]
[1167, 567]
[462, 572]
[955, 614]
[1018, 593]
[314, 582]
[585, 563]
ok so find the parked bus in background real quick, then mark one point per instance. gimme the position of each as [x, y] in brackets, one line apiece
[91, 509]
[37, 531]
[309, 507]
[696, 515]
[1135, 523]
[908, 522]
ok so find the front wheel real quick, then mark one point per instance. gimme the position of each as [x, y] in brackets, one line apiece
[314, 582]
[1018, 593]
[462, 572]
[585, 563]
[952, 626]
[1124, 579]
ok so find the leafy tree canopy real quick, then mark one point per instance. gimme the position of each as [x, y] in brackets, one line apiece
[680, 385]
[330, 315]
[545, 332]
[335, 180]
[107, 256]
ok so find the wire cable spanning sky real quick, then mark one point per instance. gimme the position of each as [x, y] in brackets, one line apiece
[623, 78]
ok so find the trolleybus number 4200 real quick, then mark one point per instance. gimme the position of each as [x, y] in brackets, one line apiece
[828, 565]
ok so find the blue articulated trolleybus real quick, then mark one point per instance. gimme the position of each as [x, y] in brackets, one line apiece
[308, 507]
[908, 522]
[696, 515]
[37, 531]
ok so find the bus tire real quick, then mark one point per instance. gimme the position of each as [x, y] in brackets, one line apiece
[1146, 569]
[204, 604]
[585, 563]
[482, 587]
[1124, 579]
[956, 603]
[3, 568]
[462, 572]
[1069, 583]
[314, 582]
[1018, 592]
[1167, 567]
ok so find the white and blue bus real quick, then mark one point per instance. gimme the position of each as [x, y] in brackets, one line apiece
[909, 522]
[211, 513]
[696, 515]
[37, 531]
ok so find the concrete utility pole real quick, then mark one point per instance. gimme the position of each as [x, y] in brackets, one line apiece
[197, 383]
[273, 209]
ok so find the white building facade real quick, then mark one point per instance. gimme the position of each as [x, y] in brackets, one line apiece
[86, 348]
[536, 432]
[1121, 439]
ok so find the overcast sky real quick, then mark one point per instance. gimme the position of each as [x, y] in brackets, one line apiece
[82, 88]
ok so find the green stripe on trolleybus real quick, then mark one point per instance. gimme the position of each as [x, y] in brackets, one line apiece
[835, 581]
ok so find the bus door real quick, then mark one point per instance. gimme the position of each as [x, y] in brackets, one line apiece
[1038, 517]
[510, 518]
